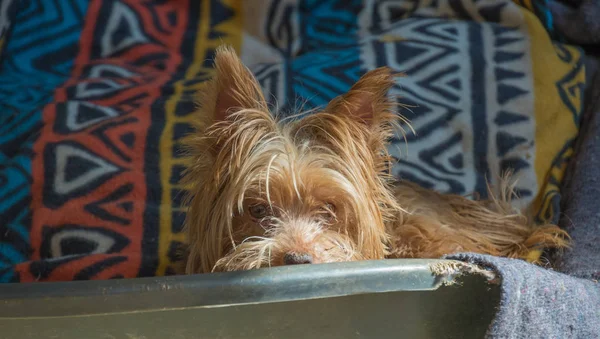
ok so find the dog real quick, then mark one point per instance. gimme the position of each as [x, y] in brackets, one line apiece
[318, 189]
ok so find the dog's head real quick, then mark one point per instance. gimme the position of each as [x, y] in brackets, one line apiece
[267, 192]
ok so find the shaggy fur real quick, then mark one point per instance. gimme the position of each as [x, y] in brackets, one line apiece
[268, 192]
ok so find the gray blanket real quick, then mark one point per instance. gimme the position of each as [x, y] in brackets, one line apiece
[581, 217]
[577, 20]
[540, 303]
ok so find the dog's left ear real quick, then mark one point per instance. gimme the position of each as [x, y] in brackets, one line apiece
[367, 100]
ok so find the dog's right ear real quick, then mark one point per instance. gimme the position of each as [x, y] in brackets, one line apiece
[368, 99]
[232, 88]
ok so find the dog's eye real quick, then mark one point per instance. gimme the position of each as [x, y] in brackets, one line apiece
[259, 211]
[328, 212]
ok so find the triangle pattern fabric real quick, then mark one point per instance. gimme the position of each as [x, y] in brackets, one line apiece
[74, 240]
[506, 74]
[109, 71]
[508, 92]
[74, 116]
[96, 88]
[76, 171]
[115, 207]
[504, 118]
[122, 30]
[506, 142]
[119, 136]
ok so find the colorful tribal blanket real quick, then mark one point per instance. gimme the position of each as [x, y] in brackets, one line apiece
[95, 97]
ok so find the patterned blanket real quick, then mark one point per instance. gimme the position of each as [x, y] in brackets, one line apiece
[96, 95]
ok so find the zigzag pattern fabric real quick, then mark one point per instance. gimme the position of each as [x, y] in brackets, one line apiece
[95, 97]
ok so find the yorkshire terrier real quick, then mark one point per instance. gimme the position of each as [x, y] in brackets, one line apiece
[317, 189]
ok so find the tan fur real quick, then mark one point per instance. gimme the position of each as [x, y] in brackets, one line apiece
[324, 182]
[438, 224]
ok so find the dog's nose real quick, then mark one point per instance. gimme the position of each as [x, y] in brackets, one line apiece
[297, 258]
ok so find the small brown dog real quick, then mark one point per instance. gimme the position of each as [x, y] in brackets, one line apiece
[314, 190]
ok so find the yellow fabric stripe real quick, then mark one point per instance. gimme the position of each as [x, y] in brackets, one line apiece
[555, 125]
[231, 30]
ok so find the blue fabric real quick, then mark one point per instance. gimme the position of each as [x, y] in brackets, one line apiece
[36, 58]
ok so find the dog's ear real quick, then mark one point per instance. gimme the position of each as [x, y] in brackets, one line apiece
[367, 100]
[233, 87]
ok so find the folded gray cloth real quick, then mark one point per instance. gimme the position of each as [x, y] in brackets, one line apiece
[581, 190]
[577, 20]
[540, 303]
